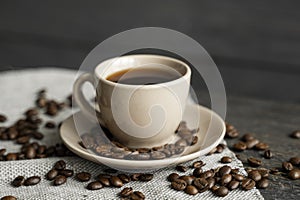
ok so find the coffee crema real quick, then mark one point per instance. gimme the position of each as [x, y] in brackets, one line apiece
[144, 76]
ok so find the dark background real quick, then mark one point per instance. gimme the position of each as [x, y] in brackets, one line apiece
[255, 44]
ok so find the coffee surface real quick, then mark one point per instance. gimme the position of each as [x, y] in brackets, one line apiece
[144, 76]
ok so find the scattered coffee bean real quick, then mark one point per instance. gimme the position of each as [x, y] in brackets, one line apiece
[18, 181]
[50, 124]
[146, 177]
[263, 183]
[3, 118]
[226, 179]
[181, 168]
[33, 180]
[221, 191]
[116, 181]
[211, 182]
[202, 184]
[226, 159]
[51, 174]
[188, 179]
[66, 172]
[137, 195]
[254, 162]
[178, 184]
[247, 137]
[238, 177]
[126, 192]
[274, 171]
[83, 176]
[240, 146]
[59, 180]
[11, 156]
[231, 132]
[30, 152]
[254, 175]
[263, 172]
[125, 178]
[135, 177]
[261, 146]
[190, 189]
[9, 197]
[23, 139]
[95, 185]
[294, 174]
[224, 170]
[248, 184]
[251, 143]
[295, 134]
[287, 166]
[104, 180]
[172, 177]
[60, 165]
[220, 148]
[268, 154]
[233, 185]
[295, 161]
[198, 164]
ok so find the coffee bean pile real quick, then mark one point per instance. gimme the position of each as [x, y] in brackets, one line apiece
[220, 180]
[59, 174]
[105, 145]
[27, 128]
[291, 168]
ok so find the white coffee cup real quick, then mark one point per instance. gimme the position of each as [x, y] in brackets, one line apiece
[137, 115]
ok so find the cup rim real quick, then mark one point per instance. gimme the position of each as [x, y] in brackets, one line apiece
[185, 76]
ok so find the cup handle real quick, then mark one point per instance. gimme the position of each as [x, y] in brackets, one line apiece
[81, 101]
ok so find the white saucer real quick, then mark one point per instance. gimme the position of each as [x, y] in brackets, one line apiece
[211, 132]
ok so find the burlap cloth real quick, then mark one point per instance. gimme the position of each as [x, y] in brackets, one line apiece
[17, 93]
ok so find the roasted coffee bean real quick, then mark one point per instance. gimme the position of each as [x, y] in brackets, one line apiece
[254, 162]
[294, 174]
[261, 146]
[197, 172]
[125, 178]
[194, 140]
[104, 181]
[2, 152]
[83, 176]
[41, 149]
[226, 159]
[146, 177]
[11, 156]
[66, 172]
[212, 151]
[263, 172]
[248, 184]
[190, 189]
[295, 134]
[238, 177]
[181, 168]
[157, 155]
[173, 177]
[60, 165]
[33, 180]
[240, 146]
[181, 142]
[59, 180]
[220, 148]
[3, 118]
[226, 179]
[201, 184]
[95, 185]
[126, 192]
[158, 148]
[188, 179]
[31, 112]
[198, 164]
[231, 132]
[287, 166]
[268, 154]
[18, 181]
[224, 170]
[233, 185]
[37, 135]
[23, 139]
[50, 124]
[178, 184]
[135, 177]
[12, 133]
[235, 171]
[254, 175]
[295, 161]
[207, 174]
[141, 150]
[221, 191]
[41, 102]
[263, 183]
[116, 181]
[137, 195]
[247, 137]
[274, 171]
[211, 182]
[251, 143]
[30, 152]
[9, 197]
[51, 174]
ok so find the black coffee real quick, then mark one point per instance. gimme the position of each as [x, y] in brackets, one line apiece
[144, 76]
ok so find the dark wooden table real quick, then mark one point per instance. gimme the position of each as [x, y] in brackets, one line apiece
[270, 122]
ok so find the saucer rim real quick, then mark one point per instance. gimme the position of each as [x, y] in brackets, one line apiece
[83, 153]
